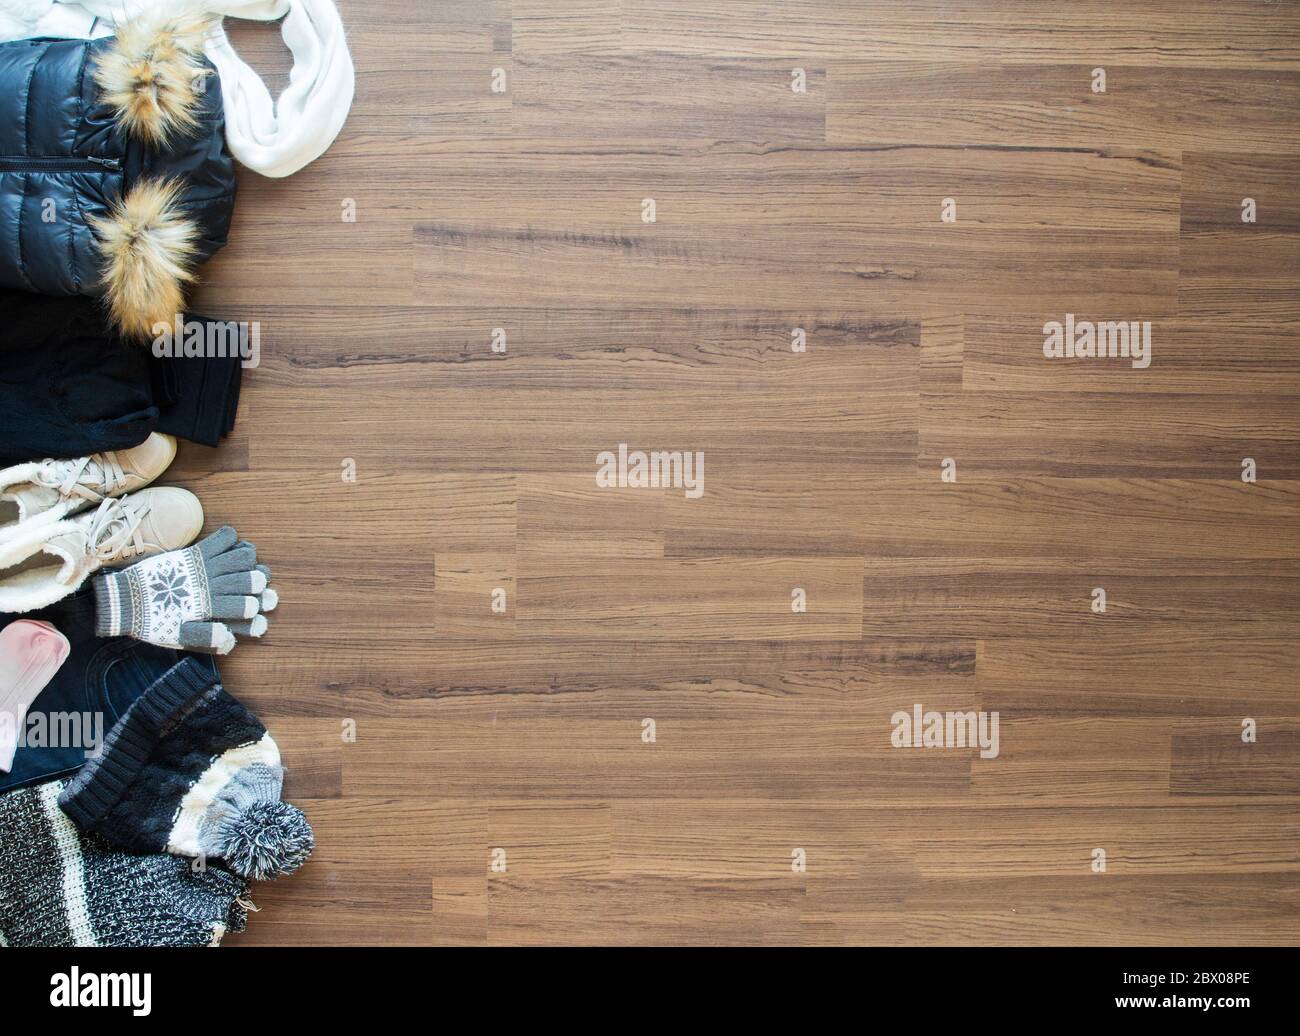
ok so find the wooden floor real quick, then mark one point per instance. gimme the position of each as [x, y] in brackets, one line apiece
[518, 738]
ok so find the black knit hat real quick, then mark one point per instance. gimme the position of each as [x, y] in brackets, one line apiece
[189, 770]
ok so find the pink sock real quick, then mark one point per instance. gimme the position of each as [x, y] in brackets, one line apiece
[30, 654]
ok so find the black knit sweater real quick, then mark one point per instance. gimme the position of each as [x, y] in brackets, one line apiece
[69, 387]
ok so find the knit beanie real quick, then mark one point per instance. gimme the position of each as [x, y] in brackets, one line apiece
[189, 770]
[63, 887]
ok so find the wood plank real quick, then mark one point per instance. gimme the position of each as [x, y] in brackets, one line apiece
[394, 471]
[1199, 33]
[1038, 105]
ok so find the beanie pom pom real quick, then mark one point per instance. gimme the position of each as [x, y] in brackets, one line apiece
[267, 840]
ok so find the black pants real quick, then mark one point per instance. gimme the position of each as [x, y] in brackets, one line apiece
[95, 685]
[69, 387]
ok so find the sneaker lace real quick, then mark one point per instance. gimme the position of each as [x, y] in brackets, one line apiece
[114, 531]
[91, 478]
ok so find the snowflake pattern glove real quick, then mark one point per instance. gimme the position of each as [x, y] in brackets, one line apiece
[176, 599]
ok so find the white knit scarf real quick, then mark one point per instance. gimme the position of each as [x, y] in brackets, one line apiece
[273, 137]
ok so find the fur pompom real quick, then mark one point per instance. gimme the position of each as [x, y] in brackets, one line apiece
[148, 247]
[153, 74]
[267, 840]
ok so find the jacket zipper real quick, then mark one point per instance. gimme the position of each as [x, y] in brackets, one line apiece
[87, 163]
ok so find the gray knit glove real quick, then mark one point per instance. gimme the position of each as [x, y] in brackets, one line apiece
[172, 599]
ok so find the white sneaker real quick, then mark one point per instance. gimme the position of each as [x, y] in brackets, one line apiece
[53, 489]
[44, 561]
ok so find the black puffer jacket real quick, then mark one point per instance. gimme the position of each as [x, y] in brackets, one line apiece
[114, 174]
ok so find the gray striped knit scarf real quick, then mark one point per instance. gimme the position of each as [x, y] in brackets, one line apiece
[60, 887]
